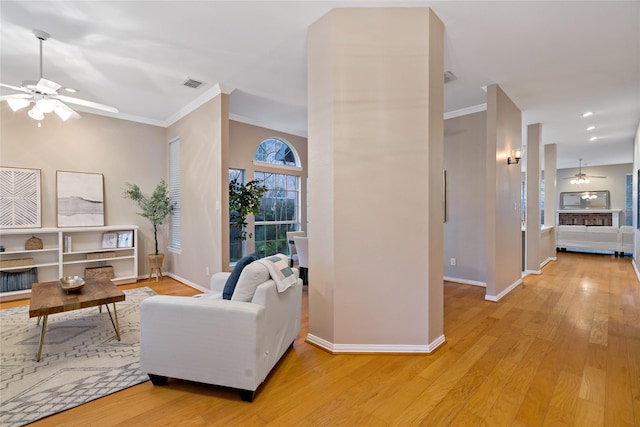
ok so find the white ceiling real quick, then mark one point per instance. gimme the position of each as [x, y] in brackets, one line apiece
[554, 59]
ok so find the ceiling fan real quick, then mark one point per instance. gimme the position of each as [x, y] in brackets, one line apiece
[44, 94]
[582, 178]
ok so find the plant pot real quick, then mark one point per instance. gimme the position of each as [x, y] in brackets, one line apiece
[155, 265]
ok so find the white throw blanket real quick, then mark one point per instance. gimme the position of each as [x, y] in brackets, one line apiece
[278, 266]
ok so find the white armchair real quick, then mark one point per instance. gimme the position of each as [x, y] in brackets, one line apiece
[224, 342]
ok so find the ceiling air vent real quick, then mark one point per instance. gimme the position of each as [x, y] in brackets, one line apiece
[449, 77]
[195, 84]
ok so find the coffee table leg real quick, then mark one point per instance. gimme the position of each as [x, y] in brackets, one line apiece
[44, 330]
[116, 326]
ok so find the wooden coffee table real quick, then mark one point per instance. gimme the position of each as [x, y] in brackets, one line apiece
[49, 298]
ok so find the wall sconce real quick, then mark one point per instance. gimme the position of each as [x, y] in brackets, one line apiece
[517, 155]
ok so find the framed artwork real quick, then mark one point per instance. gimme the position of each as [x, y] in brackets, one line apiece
[20, 203]
[125, 239]
[109, 240]
[80, 199]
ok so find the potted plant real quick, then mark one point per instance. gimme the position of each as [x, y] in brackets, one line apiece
[244, 199]
[155, 208]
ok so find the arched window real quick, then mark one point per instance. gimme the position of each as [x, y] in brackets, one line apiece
[279, 210]
[276, 152]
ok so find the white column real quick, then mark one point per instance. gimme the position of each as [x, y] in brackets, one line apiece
[375, 180]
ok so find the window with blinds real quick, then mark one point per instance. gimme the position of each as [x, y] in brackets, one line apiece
[174, 193]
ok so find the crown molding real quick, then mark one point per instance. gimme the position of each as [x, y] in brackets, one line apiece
[214, 91]
[266, 125]
[465, 111]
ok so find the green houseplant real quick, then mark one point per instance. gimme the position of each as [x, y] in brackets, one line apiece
[244, 199]
[155, 208]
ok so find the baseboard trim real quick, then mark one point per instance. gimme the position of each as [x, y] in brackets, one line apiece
[528, 272]
[547, 261]
[503, 293]
[374, 348]
[465, 281]
[635, 267]
[187, 282]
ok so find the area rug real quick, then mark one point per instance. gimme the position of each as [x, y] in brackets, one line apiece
[82, 359]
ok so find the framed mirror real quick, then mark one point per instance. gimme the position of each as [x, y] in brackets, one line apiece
[585, 200]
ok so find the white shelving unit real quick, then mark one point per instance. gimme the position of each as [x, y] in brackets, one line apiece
[54, 260]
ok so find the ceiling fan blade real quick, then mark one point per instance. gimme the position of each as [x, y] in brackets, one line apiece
[86, 103]
[47, 86]
[17, 101]
[15, 96]
[594, 176]
[20, 89]
[63, 111]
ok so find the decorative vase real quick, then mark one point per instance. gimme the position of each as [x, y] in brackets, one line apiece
[155, 265]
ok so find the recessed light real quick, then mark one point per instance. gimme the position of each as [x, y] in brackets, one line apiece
[587, 114]
[591, 128]
[593, 138]
[70, 89]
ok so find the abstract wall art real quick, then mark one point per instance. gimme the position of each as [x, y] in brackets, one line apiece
[20, 205]
[80, 199]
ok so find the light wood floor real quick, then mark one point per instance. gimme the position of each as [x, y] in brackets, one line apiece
[562, 349]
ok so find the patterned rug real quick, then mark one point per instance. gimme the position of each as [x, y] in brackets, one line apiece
[82, 359]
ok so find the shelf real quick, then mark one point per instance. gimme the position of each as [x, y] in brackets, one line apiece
[28, 251]
[52, 263]
[96, 251]
[85, 261]
[26, 267]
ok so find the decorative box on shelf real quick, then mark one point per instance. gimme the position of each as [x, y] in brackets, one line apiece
[105, 272]
[8, 263]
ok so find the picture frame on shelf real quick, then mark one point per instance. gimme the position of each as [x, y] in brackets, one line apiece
[109, 240]
[125, 239]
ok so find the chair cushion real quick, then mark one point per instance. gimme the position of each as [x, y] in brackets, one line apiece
[232, 281]
[252, 275]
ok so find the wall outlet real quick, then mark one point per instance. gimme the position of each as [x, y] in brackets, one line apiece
[207, 271]
[453, 261]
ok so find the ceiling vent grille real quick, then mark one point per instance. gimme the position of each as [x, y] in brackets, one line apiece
[449, 77]
[195, 84]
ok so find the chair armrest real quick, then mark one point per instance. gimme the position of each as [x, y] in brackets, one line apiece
[218, 280]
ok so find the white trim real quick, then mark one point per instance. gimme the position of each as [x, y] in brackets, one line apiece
[528, 272]
[121, 116]
[207, 96]
[375, 348]
[503, 293]
[635, 268]
[187, 282]
[260, 164]
[266, 125]
[465, 281]
[465, 111]
[547, 261]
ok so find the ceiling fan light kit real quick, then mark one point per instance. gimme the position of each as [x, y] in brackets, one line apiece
[44, 94]
[581, 178]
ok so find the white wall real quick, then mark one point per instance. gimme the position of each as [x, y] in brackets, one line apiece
[464, 229]
[204, 191]
[503, 195]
